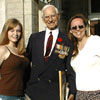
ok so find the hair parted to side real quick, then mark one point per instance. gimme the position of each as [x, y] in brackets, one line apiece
[10, 24]
[47, 6]
[70, 35]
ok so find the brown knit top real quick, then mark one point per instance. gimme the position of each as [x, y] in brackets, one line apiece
[12, 75]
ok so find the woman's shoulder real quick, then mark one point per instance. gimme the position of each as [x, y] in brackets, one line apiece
[95, 38]
[94, 41]
[4, 53]
[3, 49]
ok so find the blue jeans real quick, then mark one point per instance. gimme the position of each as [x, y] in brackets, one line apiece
[3, 97]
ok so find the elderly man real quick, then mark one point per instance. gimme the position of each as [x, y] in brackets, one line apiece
[49, 51]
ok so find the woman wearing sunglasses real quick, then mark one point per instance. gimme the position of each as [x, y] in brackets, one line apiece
[85, 59]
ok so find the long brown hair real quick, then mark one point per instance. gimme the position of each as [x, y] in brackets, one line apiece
[10, 24]
[70, 35]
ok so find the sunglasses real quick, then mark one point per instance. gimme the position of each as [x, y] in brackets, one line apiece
[79, 26]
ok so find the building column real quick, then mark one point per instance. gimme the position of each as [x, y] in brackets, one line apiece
[2, 13]
[30, 17]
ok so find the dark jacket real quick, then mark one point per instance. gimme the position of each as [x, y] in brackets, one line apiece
[44, 79]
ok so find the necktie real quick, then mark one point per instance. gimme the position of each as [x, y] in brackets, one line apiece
[48, 46]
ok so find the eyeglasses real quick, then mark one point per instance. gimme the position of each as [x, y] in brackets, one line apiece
[50, 16]
[79, 26]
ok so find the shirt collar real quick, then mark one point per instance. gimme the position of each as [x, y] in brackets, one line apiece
[53, 31]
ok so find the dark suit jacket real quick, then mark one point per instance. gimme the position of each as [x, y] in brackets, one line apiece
[44, 79]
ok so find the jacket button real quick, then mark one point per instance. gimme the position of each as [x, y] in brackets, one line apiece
[49, 81]
[38, 79]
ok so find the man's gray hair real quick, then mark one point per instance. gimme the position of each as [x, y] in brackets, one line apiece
[47, 6]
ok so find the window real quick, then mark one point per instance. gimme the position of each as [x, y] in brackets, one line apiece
[94, 6]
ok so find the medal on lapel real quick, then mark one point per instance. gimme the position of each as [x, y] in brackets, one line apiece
[61, 50]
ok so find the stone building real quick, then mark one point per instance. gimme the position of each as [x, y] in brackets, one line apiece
[29, 12]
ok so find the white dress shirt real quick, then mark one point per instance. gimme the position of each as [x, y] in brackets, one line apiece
[55, 36]
[87, 65]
